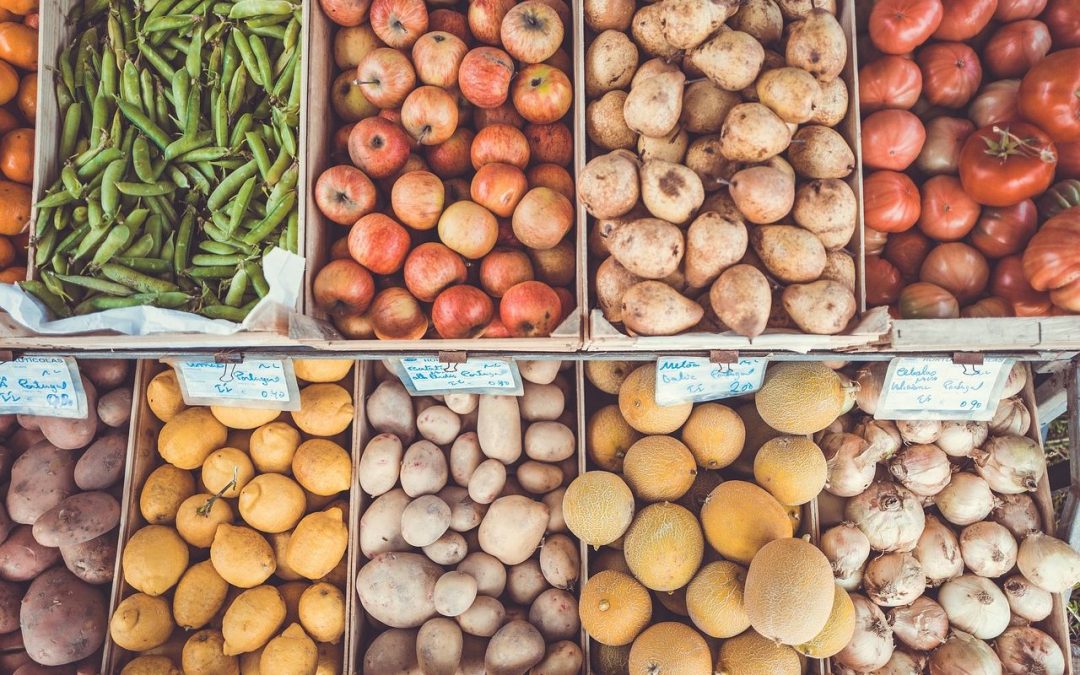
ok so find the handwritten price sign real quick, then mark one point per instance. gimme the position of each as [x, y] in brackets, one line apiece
[426, 375]
[251, 384]
[681, 380]
[937, 388]
[42, 385]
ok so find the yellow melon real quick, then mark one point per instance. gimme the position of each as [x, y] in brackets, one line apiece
[608, 437]
[659, 468]
[607, 376]
[837, 631]
[664, 546]
[789, 591]
[803, 397]
[614, 608]
[715, 434]
[791, 468]
[714, 599]
[704, 483]
[739, 518]
[670, 648]
[598, 507]
[637, 402]
[752, 654]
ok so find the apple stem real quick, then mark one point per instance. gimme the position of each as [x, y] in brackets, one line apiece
[695, 80]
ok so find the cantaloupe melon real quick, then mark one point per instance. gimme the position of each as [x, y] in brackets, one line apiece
[664, 546]
[752, 654]
[704, 483]
[659, 468]
[739, 518]
[714, 599]
[670, 648]
[598, 507]
[673, 601]
[837, 631]
[608, 660]
[637, 403]
[803, 397]
[789, 591]
[608, 437]
[614, 608]
[607, 376]
[715, 434]
[791, 468]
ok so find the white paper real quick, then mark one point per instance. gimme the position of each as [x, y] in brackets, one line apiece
[937, 388]
[284, 273]
[255, 383]
[694, 379]
[42, 385]
[426, 375]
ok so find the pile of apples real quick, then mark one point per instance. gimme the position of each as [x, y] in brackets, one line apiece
[453, 183]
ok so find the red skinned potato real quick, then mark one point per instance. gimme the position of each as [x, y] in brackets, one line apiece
[105, 373]
[102, 465]
[63, 619]
[11, 595]
[41, 478]
[77, 519]
[114, 408]
[73, 434]
[22, 558]
[92, 561]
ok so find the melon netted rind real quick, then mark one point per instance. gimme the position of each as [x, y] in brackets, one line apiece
[740, 517]
[752, 654]
[837, 632]
[598, 506]
[715, 435]
[792, 468]
[789, 591]
[614, 608]
[659, 468]
[637, 402]
[664, 546]
[714, 599]
[802, 397]
[608, 437]
[670, 647]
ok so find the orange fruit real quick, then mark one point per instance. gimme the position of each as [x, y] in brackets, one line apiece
[670, 647]
[19, 7]
[8, 120]
[12, 274]
[9, 82]
[17, 156]
[7, 252]
[27, 98]
[14, 207]
[18, 43]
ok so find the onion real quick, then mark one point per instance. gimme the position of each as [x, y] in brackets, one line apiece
[1016, 380]
[988, 549]
[871, 646]
[903, 663]
[922, 625]
[847, 549]
[974, 604]
[923, 469]
[851, 464]
[889, 515]
[1018, 514]
[959, 439]
[1011, 464]
[919, 431]
[894, 579]
[1049, 563]
[938, 550]
[1011, 417]
[1024, 649]
[964, 654]
[882, 435]
[870, 378]
[1026, 600]
[965, 500]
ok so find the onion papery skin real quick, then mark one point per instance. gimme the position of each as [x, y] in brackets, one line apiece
[894, 579]
[919, 431]
[1025, 650]
[938, 550]
[964, 654]
[1018, 514]
[1048, 562]
[1016, 380]
[966, 499]
[870, 378]
[851, 464]
[1011, 417]
[903, 663]
[960, 438]
[882, 435]
[988, 549]
[890, 516]
[1011, 464]
[975, 605]
[846, 548]
[871, 646]
[1026, 600]
[922, 468]
[922, 625]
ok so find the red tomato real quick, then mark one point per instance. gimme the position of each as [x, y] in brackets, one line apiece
[1014, 10]
[892, 139]
[958, 268]
[995, 103]
[928, 301]
[899, 26]
[1008, 282]
[1060, 197]
[1063, 19]
[1015, 47]
[1003, 231]
[890, 201]
[1005, 164]
[889, 82]
[945, 137]
[1068, 165]
[992, 307]
[951, 73]
[1052, 257]
[963, 19]
[907, 251]
[1067, 297]
[948, 214]
[883, 281]
[1050, 95]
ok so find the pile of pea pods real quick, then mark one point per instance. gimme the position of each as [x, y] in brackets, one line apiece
[179, 135]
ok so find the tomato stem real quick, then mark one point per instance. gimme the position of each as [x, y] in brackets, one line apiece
[1008, 143]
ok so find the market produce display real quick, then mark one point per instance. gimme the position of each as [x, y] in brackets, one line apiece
[716, 179]
[58, 525]
[18, 117]
[971, 151]
[469, 564]
[237, 562]
[179, 141]
[452, 194]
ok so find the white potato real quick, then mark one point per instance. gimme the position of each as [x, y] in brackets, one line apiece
[539, 372]
[498, 427]
[424, 520]
[555, 615]
[455, 592]
[549, 441]
[542, 402]
[465, 456]
[389, 409]
[489, 573]
[525, 582]
[539, 477]
[380, 464]
[438, 424]
[438, 647]
[517, 647]
[380, 526]
[423, 469]
[397, 589]
[512, 528]
[462, 404]
[487, 481]
[392, 652]
[560, 561]
[483, 618]
[465, 514]
[449, 549]
[553, 499]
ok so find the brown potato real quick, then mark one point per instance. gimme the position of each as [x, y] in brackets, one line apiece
[732, 59]
[652, 68]
[764, 194]
[610, 62]
[840, 267]
[560, 562]
[106, 373]
[608, 185]
[832, 105]
[820, 152]
[688, 23]
[797, 9]
[722, 203]
[817, 44]
[827, 208]
[760, 18]
[742, 299]
[63, 619]
[92, 561]
[608, 14]
[41, 478]
[705, 105]
[612, 282]
[790, 253]
[516, 647]
[655, 308]
[412, 577]
[753, 133]
[823, 307]
[77, 519]
[648, 31]
[650, 248]
[102, 465]
[670, 191]
[22, 558]
[789, 92]
[605, 124]
[710, 165]
[670, 148]
[654, 105]
[561, 658]
[713, 243]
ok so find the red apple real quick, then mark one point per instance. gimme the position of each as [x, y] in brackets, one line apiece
[450, 159]
[498, 188]
[378, 146]
[399, 23]
[555, 266]
[530, 309]
[396, 315]
[542, 94]
[417, 200]
[414, 163]
[500, 143]
[348, 101]
[343, 287]
[339, 250]
[449, 21]
[456, 190]
[355, 326]
[341, 140]
[486, 17]
[484, 76]
[345, 12]
[437, 56]
[561, 60]
[550, 143]
[469, 229]
[496, 329]
[344, 194]
[462, 312]
[542, 218]
[432, 267]
[504, 114]
[430, 115]
[561, 8]
[552, 176]
[394, 115]
[379, 243]
[386, 77]
[353, 43]
[503, 268]
[531, 31]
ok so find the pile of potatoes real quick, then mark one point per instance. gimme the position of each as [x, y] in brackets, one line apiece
[240, 563]
[468, 564]
[716, 179]
[61, 486]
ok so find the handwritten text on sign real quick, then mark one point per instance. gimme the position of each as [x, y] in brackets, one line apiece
[428, 375]
[42, 385]
[679, 380]
[937, 388]
[252, 384]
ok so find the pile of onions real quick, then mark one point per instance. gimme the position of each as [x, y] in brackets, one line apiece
[850, 464]
[938, 550]
[870, 379]
[1049, 563]
[964, 654]
[903, 663]
[890, 516]
[1026, 600]
[965, 500]
[894, 579]
[922, 625]
[919, 431]
[1023, 649]
[1014, 384]
[959, 439]
[882, 435]
[923, 468]
[846, 548]
[1011, 417]
[1018, 514]
[976, 605]
[1011, 464]
[871, 646]
[988, 549]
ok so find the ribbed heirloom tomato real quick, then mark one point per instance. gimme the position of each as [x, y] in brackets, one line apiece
[892, 139]
[890, 201]
[1015, 47]
[1004, 164]
[1050, 95]
[951, 73]
[889, 82]
[948, 213]
[1008, 282]
[899, 26]
[1063, 19]
[1052, 257]
[963, 19]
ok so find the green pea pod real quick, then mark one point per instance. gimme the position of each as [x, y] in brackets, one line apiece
[269, 31]
[292, 233]
[116, 37]
[102, 303]
[177, 176]
[114, 242]
[155, 227]
[277, 169]
[285, 79]
[213, 65]
[86, 46]
[167, 252]
[61, 218]
[96, 163]
[67, 69]
[99, 119]
[216, 247]
[238, 90]
[127, 23]
[108, 72]
[172, 23]
[141, 248]
[42, 222]
[157, 189]
[206, 169]
[93, 238]
[145, 124]
[258, 281]
[240, 128]
[199, 182]
[116, 130]
[179, 44]
[230, 61]
[262, 60]
[193, 62]
[157, 61]
[258, 151]
[216, 229]
[110, 193]
[95, 284]
[271, 221]
[136, 280]
[160, 8]
[230, 185]
[44, 246]
[211, 272]
[51, 301]
[237, 287]
[183, 240]
[214, 260]
[207, 154]
[266, 20]
[55, 285]
[288, 182]
[194, 111]
[153, 266]
[75, 236]
[79, 215]
[128, 141]
[234, 314]
[173, 300]
[292, 34]
[71, 180]
[135, 219]
[146, 86]
[212, 35]
[95, 215]
[140, 160]
[130, 86]
[164, 208]
[247, 57]
[246, 9]
[186, 144]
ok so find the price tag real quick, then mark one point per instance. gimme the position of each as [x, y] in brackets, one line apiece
[427, 376]
[692, 379]
[255, 383]
[42, 385]
[937, 388]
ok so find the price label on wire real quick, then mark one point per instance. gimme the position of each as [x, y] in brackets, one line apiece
[42, 385]
[693, 379]
[255, 383]
[428, 376]
[938, 388]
